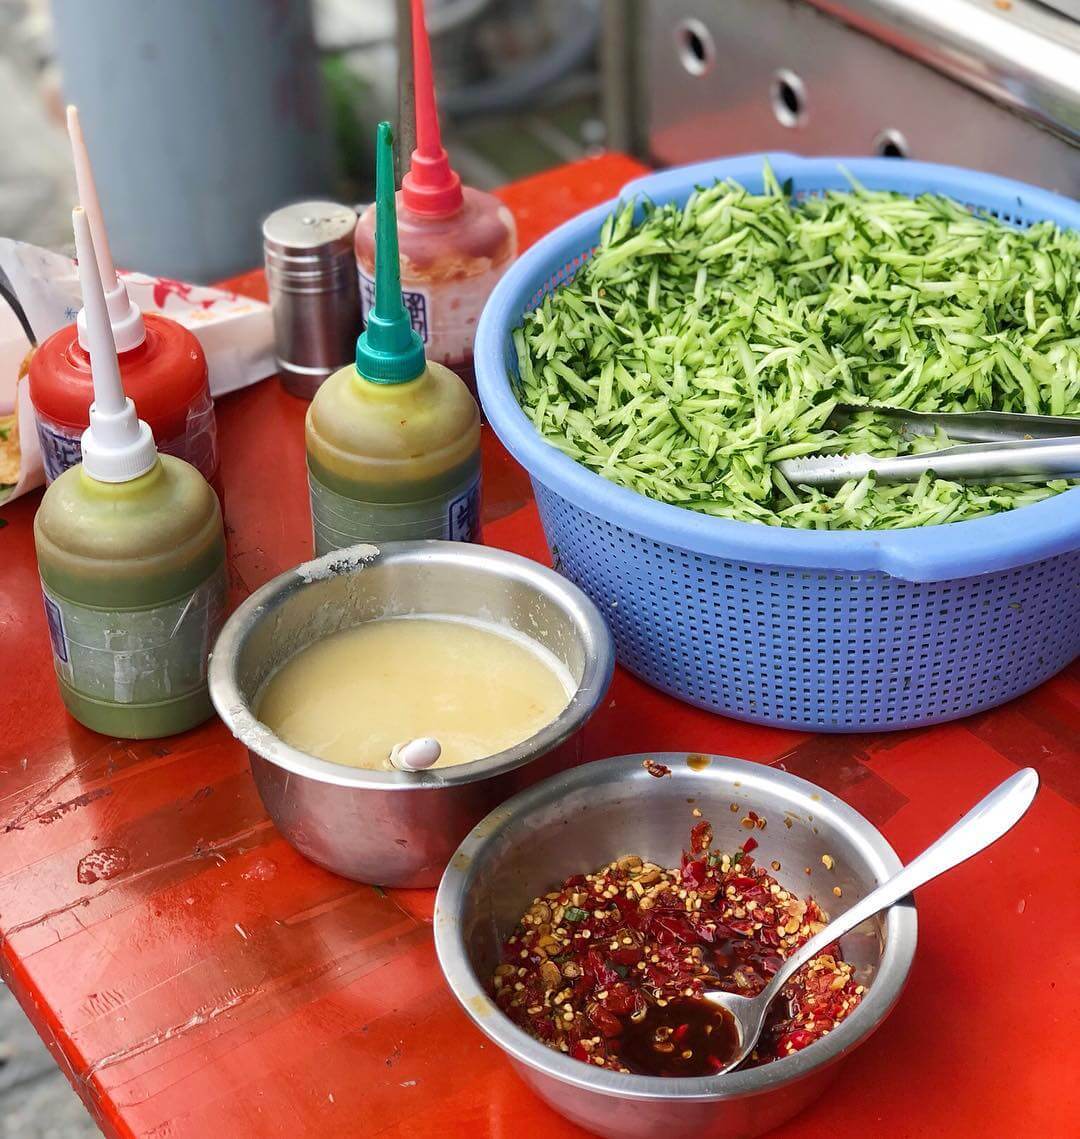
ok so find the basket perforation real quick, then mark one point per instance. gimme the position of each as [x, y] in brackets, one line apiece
[878, 650]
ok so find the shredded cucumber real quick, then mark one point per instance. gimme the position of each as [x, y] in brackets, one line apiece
[702, 344]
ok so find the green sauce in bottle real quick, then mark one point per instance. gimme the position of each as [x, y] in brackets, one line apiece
[131, 552]
[393, 443]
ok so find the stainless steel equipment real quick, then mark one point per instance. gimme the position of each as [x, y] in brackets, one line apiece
[400, 828]
[314, 291]
[1008, 447]
[993, 86]
[970, 426]
[1027, 460]
[592, 814]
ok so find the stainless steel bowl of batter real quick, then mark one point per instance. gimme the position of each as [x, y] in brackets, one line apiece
[397, 828]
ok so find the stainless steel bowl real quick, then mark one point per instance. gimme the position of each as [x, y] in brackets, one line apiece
[581, 819]
[389, 827]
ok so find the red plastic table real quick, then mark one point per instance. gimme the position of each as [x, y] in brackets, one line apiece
[218, 984]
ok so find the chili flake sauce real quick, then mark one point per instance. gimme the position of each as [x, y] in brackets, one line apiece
[610, 967]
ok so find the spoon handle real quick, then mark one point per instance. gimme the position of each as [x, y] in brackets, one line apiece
[985, 823]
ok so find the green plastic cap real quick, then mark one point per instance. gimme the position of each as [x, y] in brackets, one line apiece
[388, 351]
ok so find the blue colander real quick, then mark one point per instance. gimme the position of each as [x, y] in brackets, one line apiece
[819, 630]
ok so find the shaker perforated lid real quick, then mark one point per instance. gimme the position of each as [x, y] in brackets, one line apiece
[304, 232]
[127, 323]
[389, 350]
[431, 186]
[117, 446]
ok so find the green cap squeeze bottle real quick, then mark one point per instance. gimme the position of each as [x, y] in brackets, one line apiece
[131, 551]
[393, 443]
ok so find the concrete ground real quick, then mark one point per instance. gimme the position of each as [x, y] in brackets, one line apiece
[36, 1101]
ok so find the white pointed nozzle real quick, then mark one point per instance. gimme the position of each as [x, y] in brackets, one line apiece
[124, 316]
[415, 755]
[117, 446]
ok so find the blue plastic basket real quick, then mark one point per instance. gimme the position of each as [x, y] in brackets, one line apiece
[820, 630]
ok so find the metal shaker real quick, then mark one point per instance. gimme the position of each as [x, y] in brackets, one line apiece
[314, 294]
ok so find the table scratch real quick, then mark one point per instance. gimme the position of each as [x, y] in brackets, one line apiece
[148, 1043]
[211, 850]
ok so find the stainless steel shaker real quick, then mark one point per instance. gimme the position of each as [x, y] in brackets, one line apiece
[314, 294]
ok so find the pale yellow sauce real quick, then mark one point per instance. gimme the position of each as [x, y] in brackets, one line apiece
[476, 688]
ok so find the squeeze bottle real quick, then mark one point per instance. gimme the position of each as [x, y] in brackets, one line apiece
[162, 363]
[455, 242]
[393, 442]
[131, 552]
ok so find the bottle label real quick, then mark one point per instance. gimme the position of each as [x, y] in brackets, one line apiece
[136, 656]
[61, 447]
[338, 521]
[463, 515]
[417, 305]
[57, 632]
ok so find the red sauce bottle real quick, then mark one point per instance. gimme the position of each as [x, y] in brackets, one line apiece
[162, 364]
[455, 242]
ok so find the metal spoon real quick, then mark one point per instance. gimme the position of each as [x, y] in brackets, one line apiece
[985, 823]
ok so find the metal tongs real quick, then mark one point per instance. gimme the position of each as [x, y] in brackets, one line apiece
[1005, 447]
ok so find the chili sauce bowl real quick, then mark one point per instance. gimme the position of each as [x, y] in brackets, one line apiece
[399, 828]
[582, 819]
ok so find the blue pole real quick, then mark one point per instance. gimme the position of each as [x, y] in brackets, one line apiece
[201, 118]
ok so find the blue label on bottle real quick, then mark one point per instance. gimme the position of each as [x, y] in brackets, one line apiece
[463, 515]
[56, 628]
[416, 305]
[60, 449]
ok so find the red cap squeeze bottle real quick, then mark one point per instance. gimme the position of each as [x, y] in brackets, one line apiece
[161, 362]
[131, 553]
[455, 242]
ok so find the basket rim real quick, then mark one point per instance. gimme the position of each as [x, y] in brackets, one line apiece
[920, 554]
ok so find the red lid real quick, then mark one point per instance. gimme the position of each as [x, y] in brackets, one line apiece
[430, 187]
[164, 376]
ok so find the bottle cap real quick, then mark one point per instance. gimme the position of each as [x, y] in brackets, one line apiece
[431, 186]
[126, 320]
[117, 446]
[389, 351]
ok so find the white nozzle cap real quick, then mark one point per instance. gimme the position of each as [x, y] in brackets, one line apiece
[126, 319]
[117, 446]
[416, 755]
